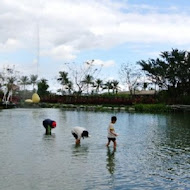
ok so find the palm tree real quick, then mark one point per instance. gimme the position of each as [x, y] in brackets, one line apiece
[69, 87]
[24, 80]
[63, 78]
[98, 84]
[88, 80]
[115, 85]
[33, 80]
[108, 85]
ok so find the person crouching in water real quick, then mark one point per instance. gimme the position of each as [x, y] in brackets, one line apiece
[79, 132]
[111, 132]
[48, 125]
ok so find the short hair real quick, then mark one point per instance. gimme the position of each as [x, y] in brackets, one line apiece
[84, 134]
[113, 118]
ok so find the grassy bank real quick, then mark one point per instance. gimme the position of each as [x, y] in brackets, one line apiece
[151, 108]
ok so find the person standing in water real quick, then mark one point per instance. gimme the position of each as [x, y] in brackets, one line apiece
[111, 132]
[49, 125]
[79, 132]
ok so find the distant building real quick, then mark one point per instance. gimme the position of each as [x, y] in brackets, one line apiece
[141, 93]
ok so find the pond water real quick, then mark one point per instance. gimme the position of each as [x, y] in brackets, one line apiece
[153, 151]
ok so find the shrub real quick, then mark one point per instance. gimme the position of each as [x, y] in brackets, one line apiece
[151, 108]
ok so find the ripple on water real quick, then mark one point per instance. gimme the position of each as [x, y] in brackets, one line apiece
[152, 153]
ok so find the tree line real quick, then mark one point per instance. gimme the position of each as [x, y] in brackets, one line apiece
[170, 73]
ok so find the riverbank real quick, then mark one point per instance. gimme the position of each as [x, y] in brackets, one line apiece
[162, 108]
[152, 108]
[185, 108]
[7, 105]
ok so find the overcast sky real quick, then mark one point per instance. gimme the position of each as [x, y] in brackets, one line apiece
[111, 32]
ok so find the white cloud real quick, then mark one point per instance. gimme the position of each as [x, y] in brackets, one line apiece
[71, 27]
[61, 52]
[10, 45]
[67, 28]
[104, 63]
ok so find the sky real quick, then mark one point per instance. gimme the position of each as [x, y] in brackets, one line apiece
[40, 36]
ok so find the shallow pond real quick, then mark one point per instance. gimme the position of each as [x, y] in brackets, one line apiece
[153, 151]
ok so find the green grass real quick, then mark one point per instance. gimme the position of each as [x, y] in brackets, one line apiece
[153, 108]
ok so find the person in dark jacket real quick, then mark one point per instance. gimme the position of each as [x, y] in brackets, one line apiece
[48, 125]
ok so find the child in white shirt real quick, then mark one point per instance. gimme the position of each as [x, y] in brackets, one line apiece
[79, 132]
[111, 132]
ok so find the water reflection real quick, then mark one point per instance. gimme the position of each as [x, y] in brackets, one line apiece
[80, 150]
[153, 151]
[49, 137]
[110, 160]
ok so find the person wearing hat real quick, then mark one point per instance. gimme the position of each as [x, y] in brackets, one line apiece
[78, 133]
[48, 125]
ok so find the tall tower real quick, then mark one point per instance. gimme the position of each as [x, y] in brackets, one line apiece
[38, 50]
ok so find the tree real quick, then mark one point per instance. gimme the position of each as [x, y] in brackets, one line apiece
[78, 72]
[115, 86]
[172, 62]
[88, 80]
[2, 79]
[8, 79]
[170, 72]
[155, 71]
[130, 76]
[42, 87]
[10, 85]
[108, 85]
[65, 82]
[98, 84]
[33, 81]
[145, 85]
[24, 80]
[178, 71]
[69, 87]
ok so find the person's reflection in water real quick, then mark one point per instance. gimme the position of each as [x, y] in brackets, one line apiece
[79, 150]
[110, 160]
[49, 137]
